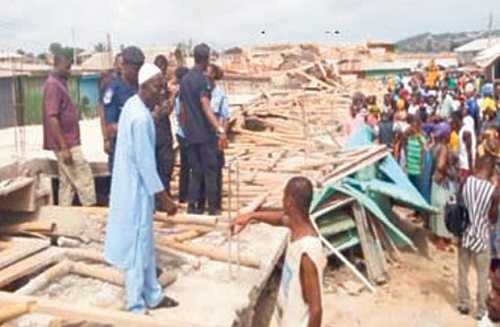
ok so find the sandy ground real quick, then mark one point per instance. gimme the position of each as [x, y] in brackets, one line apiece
[422, 293]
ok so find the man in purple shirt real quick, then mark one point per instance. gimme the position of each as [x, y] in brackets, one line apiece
[61, 134]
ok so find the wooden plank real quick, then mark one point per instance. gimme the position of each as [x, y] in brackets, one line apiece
[112, 275]
[91, 314]
[20, 248]
[351, 167]
[211, 253]
[372, 253]
[32, 226]
[30, 265]
[45, 278]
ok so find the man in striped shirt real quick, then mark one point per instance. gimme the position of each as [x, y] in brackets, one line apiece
[481, 199]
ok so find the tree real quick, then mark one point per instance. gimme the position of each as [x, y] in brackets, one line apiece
[58, 48]
[20, 52]
[55, 47]
[100, 47]
[42, 57]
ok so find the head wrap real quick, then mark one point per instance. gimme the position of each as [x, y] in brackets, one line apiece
[441, 130]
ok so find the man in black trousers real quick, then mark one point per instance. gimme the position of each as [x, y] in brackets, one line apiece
[202, 133]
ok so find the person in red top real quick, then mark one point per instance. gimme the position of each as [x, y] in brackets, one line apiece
[61, 134]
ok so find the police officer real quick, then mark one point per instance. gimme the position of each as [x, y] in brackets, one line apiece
[118, 92]
[164, 143]
[202, 132]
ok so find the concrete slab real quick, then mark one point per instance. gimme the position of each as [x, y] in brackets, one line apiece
[210, 297]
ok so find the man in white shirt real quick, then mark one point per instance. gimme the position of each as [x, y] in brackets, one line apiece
[299, 302]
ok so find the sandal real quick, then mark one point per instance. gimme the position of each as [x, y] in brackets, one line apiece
[167, 302]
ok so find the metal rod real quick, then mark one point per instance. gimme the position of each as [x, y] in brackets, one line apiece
[229, 204]
[238, 240]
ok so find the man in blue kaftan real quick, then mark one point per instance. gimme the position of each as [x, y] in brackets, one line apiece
[129, 238]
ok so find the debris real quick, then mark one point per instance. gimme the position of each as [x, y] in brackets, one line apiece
[352, 287]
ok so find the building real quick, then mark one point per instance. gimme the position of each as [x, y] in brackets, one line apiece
[21, 93]
[489, 61]
[468, 52]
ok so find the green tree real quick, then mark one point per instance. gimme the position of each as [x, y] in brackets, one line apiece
[55, 47]
[20, 52]
[100, 47]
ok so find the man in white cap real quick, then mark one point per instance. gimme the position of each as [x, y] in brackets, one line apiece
[129, 238]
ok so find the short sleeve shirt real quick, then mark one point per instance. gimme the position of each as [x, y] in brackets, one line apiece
[193, 88]
[219, 104]
[57, 103]
[114, 98]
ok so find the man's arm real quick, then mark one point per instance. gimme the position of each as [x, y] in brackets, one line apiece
[205, 104]
[311, 290]
[55, 125]
[273, 218]
[51, 107]
[182, 114]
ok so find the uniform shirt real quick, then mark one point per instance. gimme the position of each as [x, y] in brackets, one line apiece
[177, 112]
[219, 104]
[58, 103]
[194, 86]
[477, 195]
[114, 98]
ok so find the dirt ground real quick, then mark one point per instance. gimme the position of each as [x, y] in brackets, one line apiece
[422, 293]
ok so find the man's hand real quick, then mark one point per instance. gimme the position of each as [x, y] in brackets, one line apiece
[239, 223]
[67, 157]
[222, 142]
[107, 146]
[169, 205]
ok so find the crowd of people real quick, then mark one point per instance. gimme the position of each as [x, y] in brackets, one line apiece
[200, 177]
[443, 129]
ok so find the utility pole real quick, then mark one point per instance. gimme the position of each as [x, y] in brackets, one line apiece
[74, 45]
[490, 27]
[110, 49]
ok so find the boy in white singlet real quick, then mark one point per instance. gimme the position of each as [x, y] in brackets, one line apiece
[300, 298]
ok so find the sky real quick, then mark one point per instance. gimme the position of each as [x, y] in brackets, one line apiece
[33, 24]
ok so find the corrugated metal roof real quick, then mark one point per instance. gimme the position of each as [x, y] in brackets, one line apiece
[478, 45]
[487, 56]
[98, 61]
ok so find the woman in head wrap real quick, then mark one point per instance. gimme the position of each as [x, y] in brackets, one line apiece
[442, 184]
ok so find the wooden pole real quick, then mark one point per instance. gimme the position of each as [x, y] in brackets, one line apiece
[211, 253]
[12, 311]
[44, 279]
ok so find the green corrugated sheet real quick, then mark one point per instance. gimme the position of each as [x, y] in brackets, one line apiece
[32, 94]
[372, 206]
[394, 191]
[345, 241]
[329, 225]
